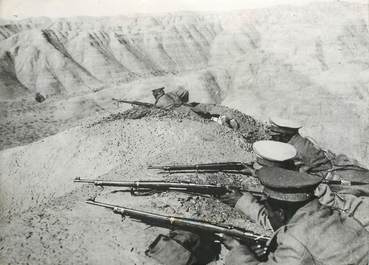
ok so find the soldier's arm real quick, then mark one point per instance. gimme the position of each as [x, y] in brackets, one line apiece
[344, 202]
[357, 207]
[253, 210]
[289, 252]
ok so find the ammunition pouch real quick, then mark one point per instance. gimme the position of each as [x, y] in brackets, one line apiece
[184, 248]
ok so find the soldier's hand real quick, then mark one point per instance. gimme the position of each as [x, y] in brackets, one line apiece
[231, 197]
[304, 169]
[248, 171]
[229, 242]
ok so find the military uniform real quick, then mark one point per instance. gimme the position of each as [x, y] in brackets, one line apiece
[315, 234]
[171, 99]
[315, 160]
[356, 207]
[271, 153]
[351, 205]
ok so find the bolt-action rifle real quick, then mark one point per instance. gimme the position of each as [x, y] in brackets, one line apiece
[258, 243]
[344, 182]
[227, 167]
[138, 103]
[144, 187]
[151, 105]
[237, 168]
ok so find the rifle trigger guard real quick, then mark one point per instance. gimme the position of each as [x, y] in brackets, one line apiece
[133, 192]
[137, 192]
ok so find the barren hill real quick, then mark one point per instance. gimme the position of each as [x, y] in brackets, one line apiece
[44, 219]
[309, 63]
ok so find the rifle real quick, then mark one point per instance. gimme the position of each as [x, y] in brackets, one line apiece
[146, 186]
[344, 182]
[151, 105]
[236, 168]
[227, 167]
[259, 242]
[138, 103]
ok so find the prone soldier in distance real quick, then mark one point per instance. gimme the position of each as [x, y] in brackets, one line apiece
[180, 96]
[163, 100]
[168, 100]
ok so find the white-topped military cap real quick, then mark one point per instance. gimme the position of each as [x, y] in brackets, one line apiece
[281, 125]
[274, 151]
[281, 122]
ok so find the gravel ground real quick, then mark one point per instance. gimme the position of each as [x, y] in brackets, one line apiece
[44, 219]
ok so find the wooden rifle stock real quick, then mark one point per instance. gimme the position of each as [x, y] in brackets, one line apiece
[197, 226]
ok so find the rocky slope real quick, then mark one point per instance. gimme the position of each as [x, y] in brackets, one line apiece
[44, 219]
[307, 63]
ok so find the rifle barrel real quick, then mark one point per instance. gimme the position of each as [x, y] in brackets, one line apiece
[182, 223]
[108, 182]
[169, 186]
[344, 182]
[209, 166]
[134, 102]
[101, 204]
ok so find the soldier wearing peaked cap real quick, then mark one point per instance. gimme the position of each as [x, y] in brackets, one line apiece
[276, 154]
[273, 153]
[268, 153]
[306, 232]
[310, 154]
[315, 160]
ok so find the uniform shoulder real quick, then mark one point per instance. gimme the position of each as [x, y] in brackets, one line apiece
[317, 220]
[309, 217]
[298, 138]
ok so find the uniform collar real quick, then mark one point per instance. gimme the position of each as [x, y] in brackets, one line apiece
[294, 138]
[300, 214]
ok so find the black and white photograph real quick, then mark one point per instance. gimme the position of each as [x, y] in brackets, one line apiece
[184, 132]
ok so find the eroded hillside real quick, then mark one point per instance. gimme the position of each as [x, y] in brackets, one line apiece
[308, 63]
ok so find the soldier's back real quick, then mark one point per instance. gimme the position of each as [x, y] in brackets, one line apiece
[320, 235]
[168, 100]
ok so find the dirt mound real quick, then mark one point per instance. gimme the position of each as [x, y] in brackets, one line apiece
[44, 219]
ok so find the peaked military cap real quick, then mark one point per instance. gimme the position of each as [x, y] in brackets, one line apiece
[160, 89]
[273, 153]
[280, 125]
[287, 185]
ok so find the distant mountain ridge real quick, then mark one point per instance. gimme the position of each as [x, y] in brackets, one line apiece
[110, 50]
[65, 57]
